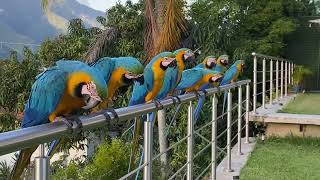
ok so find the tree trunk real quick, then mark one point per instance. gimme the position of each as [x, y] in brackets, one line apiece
[163, 143]
[160, 7]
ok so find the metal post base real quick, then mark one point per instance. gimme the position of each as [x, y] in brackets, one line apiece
[41, 168]
[228, 170]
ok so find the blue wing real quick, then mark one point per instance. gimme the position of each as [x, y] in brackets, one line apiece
[148, 78]
[228, 76]
[106, 66]
[129, 63]
[45, 95]
[189, 78]
[139, 92]
[201, 65]
[169, 83]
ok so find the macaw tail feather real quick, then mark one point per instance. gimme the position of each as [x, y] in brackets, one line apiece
[198, 108]
[55, 145]
[174, 116]
[140, 163]
[22, 162]
[135, 140]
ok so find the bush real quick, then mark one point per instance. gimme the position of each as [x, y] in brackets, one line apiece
[110, 162]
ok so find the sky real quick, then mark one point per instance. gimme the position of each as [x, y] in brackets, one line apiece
[102, 5]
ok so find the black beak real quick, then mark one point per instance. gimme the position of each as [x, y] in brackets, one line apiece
[140, 79]
[173, 64]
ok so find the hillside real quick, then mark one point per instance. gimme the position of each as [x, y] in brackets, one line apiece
[25, 22]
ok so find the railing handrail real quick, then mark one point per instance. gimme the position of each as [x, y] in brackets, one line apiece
[23, 138]
[269, 57]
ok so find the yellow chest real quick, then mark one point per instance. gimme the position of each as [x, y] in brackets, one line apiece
[69, 102]
[158, 78]
[204, 80]
[115, 82]
[181, 67]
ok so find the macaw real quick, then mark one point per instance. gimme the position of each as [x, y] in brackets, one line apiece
[196, 79]
[117, 72]
[220, 66]
[59, 91]
[231, 76]
[222, 63]
[209, 62]
[174, 74]
[146, 91]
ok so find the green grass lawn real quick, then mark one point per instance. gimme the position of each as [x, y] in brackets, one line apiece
[290, 158]
[308, 103]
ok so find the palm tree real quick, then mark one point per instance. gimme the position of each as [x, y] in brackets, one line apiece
[164, 26]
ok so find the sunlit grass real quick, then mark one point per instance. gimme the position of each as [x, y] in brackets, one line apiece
[284, 158]
[308, 103]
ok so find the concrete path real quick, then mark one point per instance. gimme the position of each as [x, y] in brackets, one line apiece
[237, 162]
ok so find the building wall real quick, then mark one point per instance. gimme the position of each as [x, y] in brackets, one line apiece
[303, 47]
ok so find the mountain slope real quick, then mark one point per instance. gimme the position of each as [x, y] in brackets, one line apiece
[24, 21]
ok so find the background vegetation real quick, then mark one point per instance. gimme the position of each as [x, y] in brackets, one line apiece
[233, 27]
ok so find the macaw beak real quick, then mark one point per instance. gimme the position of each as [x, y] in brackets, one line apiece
[90, 95]
[216, 78]
[189, 56]
[225, 62]
[242, 66]
[139, 78]
[212, 62]
[169, 62]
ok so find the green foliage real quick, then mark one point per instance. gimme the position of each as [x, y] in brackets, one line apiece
[15, 85]
[240, 27]
[69, 46]
[5, 170]
[300, 73]
[110, 162]
[128, 20]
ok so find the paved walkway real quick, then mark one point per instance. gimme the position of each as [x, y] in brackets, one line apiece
[237, 161]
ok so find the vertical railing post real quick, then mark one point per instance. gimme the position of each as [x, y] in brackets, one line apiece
[254, 82]
[148, 140]
[271, 80]
[239, 118]
[190, 142]
[281, 80]
[229, 118]
[292, 69]
[286, 79]
[247, 111]
[214, 138]
[41, 165]
[289, 73]
[264, 83]
[277, 80]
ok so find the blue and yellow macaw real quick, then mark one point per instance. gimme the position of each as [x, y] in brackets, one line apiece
[222, 63]
[118, 72]
[58, 92]
[196, 79]
[231, 76]
[154, 75]
[220, 66]
[209, 62]
[174, 74]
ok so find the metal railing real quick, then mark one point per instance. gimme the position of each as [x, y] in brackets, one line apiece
[23, 138]
[283, 70]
